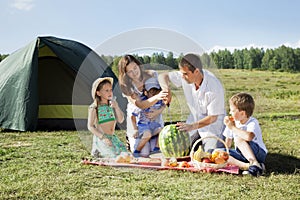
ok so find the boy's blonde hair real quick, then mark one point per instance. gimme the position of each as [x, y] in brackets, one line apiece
[243, 102]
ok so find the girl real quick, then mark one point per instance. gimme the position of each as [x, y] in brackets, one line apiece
[103, 114]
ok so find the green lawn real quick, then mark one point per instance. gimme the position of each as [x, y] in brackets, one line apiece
[47, 165]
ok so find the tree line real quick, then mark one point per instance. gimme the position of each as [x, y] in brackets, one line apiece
[280, 59]
[285, 59]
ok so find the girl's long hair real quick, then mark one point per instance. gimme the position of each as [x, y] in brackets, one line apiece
[99, 87]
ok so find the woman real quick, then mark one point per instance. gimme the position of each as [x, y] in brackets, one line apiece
[132, 79]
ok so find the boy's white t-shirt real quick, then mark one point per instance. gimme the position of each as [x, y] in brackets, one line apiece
[252, 125]
[207, 100]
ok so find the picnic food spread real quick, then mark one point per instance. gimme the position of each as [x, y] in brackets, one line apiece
[176, 154]
[157, 164]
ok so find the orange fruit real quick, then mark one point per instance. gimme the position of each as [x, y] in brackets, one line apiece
[214, 155]
[184, 164]
[219, 160]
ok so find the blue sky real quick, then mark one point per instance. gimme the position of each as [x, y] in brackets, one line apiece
[212, 24]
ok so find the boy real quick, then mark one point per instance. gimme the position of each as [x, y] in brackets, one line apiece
[250, 151]
[148, 124]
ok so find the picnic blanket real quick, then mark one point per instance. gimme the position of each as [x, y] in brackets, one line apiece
[156, 165]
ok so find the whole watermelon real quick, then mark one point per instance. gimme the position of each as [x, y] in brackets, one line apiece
[174, 143]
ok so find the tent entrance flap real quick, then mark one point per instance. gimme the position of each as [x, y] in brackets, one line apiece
[55, 82]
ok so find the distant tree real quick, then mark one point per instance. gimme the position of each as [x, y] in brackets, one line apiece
[154, 58]
[238, 59]
[227, 59]
[297, 60]
[161, 58]
[266, 60]
[139, 58]
[147, 59]
[206, 60]
[223, 59]
[275, 63]
[178, 59]
[287, 58]
[247, 59]
[170, 61]
[107, 59]
[157, 60]
[216, 59]
[256, 55]
[114, 65]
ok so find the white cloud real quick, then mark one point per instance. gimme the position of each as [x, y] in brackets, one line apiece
[24, 5]
[232, 48]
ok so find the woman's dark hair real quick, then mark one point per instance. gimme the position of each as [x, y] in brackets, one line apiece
[124, 81]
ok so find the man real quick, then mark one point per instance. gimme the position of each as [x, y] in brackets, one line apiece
[204, 95]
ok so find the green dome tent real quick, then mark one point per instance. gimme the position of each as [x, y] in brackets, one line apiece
[47, 85]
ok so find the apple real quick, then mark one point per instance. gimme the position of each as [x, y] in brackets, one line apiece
[184, 164]
[231, 118]
[224, 155]
[206, 160]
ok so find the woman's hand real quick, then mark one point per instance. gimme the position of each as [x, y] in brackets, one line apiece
[161, 96]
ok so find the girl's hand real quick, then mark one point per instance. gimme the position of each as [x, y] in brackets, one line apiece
[112, 102]
[107, 141]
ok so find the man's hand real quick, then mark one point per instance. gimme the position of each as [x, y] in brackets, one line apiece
[185, 127]
[167, 100]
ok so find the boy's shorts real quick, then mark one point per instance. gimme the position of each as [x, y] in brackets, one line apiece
[259, 153]
[151, 126]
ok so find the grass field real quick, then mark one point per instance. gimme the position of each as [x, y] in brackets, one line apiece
[47, 165]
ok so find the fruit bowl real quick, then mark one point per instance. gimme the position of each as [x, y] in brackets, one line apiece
[206, 158]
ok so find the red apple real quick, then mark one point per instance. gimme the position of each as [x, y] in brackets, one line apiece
[224, 155]
[184, 164]
[206, 160]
